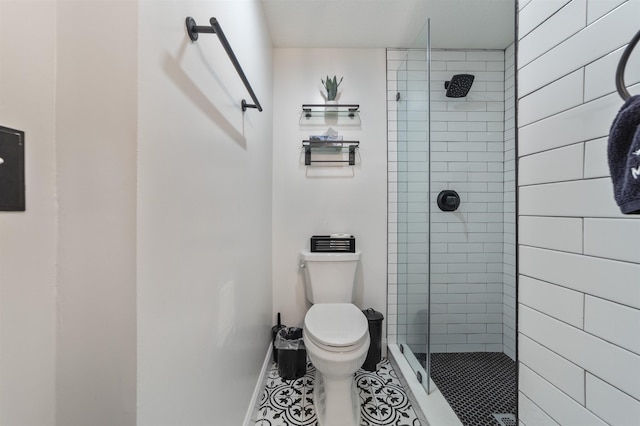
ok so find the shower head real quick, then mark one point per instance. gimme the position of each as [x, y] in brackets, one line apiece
[459, 85]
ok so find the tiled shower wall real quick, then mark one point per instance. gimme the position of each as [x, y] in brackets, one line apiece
[407, 201]
[509, 248]
[467, 156]
[469, 300]
[579, 285]
[413, 199]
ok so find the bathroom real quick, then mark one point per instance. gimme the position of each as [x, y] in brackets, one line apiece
[162, 228]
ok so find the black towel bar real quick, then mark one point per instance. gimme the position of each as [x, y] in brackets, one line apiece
[622, 89]
[215, 28]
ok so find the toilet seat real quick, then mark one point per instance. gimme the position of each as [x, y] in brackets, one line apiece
[336, 327]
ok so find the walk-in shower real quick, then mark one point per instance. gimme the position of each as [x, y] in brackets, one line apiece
[452, 268]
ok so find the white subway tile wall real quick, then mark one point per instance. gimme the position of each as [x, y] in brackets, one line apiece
[472, 251]
[395, 325]
[579, 284]
[509, 202]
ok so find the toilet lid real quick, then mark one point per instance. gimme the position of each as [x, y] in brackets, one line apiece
[336, 324]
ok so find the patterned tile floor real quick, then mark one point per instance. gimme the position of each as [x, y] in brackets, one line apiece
[476, 385]
[383, 401]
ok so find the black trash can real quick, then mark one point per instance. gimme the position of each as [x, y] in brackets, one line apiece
[292, 355]
[374, 356]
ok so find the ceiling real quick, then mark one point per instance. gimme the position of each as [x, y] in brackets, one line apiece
[470, 24]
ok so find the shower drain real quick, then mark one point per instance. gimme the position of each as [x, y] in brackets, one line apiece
[505, 419]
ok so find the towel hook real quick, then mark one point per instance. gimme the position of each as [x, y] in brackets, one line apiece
[622, 90]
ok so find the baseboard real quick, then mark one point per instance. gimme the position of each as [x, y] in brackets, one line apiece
[252, 411]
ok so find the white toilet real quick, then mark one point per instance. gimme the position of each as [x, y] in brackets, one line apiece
[336, 335]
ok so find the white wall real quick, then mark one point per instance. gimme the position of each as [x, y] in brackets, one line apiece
[28, 239]
[204, 214]
[579, 298]
[186, 224]
[304, 205]
[96, 92]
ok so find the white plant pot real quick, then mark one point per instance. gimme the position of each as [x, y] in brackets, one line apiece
[331, 108]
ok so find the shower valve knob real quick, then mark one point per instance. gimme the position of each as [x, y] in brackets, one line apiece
[448, 200]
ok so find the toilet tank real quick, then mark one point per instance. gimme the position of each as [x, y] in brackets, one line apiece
[330, 277]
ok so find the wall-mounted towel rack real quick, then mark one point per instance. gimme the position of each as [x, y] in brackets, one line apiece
[215, 28]
[622, 89]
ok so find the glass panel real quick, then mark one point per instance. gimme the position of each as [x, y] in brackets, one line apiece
[456, 271]
[413, 180]
[315, 115]
[472, 280]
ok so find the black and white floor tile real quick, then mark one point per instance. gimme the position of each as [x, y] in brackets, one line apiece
[383, 401]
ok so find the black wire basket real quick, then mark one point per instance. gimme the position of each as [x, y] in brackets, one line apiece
[327, 243]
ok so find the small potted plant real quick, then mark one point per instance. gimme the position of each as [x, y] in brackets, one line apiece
[331, 86]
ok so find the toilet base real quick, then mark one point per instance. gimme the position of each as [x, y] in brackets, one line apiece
[336, 401]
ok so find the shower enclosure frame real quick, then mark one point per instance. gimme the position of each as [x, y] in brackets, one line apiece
[402, 344]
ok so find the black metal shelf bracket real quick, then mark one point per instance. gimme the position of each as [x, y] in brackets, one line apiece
[350, 145]
[620, 86]
[193, 30]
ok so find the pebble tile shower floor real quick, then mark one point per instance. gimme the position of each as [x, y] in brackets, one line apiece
[477, 385]
[383, 400]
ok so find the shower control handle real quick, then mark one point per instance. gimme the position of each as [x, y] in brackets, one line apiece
[448, 200]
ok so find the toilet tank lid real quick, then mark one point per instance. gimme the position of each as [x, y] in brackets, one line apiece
[330, 256]
[336, 324]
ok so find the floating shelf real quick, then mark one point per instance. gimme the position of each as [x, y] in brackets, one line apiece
[325, 146]
[336, 115]
[309, 110]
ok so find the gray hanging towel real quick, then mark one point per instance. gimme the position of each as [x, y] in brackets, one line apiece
[624, 156]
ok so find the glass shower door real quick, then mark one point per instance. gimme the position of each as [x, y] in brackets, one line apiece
[413, 207]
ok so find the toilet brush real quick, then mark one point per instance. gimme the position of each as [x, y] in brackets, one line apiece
[274, 332]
